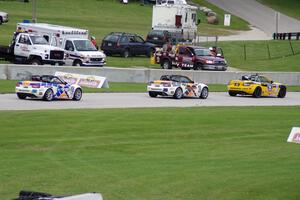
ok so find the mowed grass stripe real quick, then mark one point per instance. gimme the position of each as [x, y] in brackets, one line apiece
[212, 153]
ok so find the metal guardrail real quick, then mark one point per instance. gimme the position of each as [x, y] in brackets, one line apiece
[286, 36]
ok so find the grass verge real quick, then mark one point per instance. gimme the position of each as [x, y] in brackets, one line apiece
[182, 153]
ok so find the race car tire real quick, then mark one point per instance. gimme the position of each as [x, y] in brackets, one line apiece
[166, 64]
[257, 92]
[77, 94]
[77, 63]
[231, 93]
[204, 93]
[178, 93]
[21, 95]
[282, 92]
[35, 61]
[152, 94]
[126, 53]
[48, 96]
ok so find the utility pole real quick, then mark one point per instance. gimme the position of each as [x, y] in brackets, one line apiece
[277, 15]
[34, 19]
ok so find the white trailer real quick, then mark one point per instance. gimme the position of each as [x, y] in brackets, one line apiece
[179, 19]
[79, 49]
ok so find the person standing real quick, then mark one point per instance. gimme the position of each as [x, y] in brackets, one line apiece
[94, 41]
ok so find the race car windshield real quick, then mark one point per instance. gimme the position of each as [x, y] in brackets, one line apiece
[84, 45]
[202, 52]
[38, 40]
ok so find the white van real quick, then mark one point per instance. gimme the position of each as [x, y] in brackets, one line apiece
[79, 49]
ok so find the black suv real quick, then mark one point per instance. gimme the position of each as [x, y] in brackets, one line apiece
[159, 37]
[126, 44]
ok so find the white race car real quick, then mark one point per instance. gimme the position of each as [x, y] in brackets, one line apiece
[177, 86]
[48, 87]
[28, 195]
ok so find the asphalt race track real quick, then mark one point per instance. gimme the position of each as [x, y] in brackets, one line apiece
[139, 100]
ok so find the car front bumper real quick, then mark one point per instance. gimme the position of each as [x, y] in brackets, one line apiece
[215, 67]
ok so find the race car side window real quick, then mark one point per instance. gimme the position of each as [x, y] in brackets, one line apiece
[56, 80]
[185, 80]
[175, 78]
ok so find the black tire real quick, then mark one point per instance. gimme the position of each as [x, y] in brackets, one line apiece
[257, 92]
[77, 63]
[166, 64]
[107, 53]
[178, 93]
[152, 94]
[282, 92]
[204, 93]
[21, 95]
[77, 94]
[1, 20]
[35, 61]
[197, 66]
[231, 93]
[48, 96]
[126, 53]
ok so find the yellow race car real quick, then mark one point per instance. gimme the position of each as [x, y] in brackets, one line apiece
[257, 86]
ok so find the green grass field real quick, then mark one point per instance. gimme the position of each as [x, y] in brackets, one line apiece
[99, 16]
[288, 7]
[188, 153]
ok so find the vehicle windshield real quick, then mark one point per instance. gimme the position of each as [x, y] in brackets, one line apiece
[36, 39]
[156, 33]
[202, 52]
[84, 45]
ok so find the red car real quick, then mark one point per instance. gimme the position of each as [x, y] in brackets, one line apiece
[191, 57]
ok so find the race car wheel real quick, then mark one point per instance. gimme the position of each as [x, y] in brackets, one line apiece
[152, 94]
[77, 63]
[282, 92]
[77, 94]
[48, 96]
[257, 92]
[166, 64]
[204, 93]
[21, 95]
[231, 93]
[178, 93]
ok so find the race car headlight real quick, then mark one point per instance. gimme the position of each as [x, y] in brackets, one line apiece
[209, 62]
[166, 84]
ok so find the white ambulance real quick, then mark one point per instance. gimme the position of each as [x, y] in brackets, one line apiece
[79, 49]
